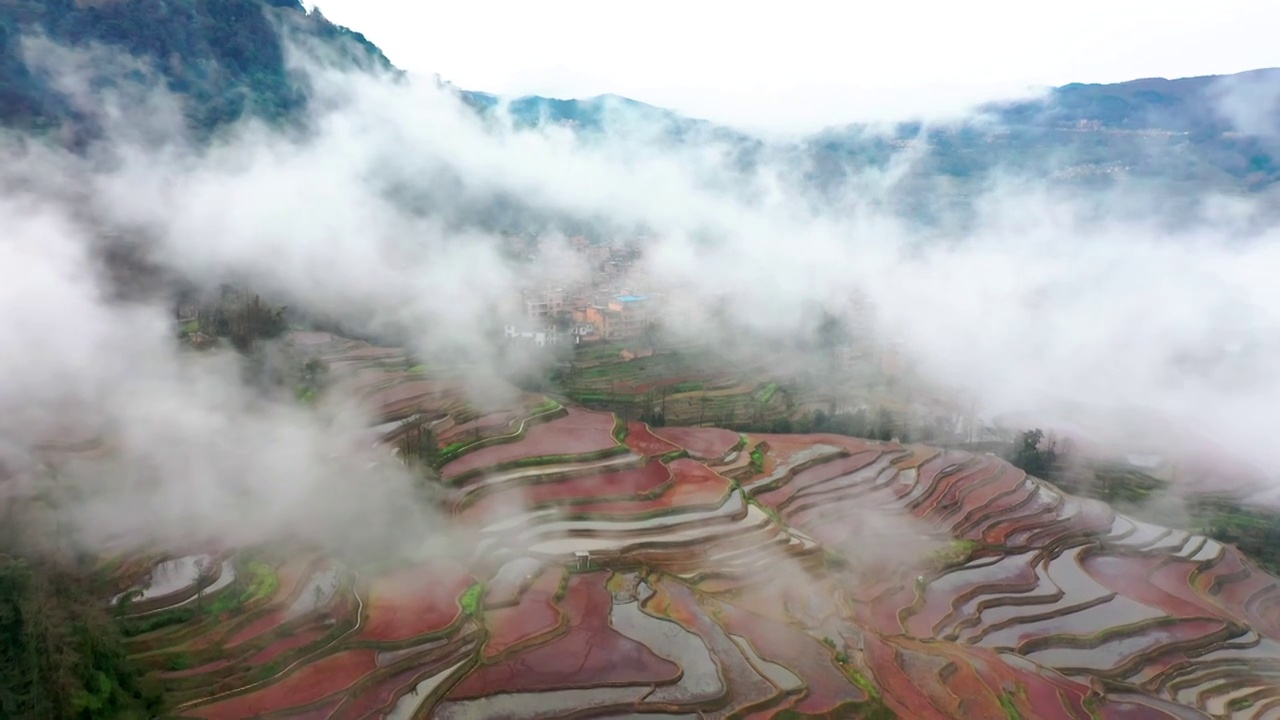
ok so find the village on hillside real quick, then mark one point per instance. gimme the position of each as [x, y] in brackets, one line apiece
[604, 306]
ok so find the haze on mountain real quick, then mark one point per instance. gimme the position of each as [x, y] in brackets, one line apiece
[305, 155]
[1213, 133]
[251, 142]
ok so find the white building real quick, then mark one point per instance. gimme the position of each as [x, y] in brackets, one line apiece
[539, 337]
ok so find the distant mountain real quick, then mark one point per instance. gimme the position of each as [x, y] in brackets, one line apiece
[1181, 131]
[227, 58]
[593, 115]
[605, 116]
[1173, 132]
[1183, 105]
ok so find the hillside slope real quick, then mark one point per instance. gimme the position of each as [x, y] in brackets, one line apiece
[227, 57]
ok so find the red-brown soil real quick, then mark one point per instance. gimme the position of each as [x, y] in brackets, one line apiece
[702, 443]
[589, 653]
[642, 441]
[305, 685]
[414, 601]
[534, 616]
[578, 433]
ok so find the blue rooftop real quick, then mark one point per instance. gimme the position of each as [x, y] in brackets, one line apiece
[631, 298]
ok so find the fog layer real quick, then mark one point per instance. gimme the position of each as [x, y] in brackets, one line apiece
[357, 218]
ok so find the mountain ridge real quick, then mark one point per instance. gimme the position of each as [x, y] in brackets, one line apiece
[227, 59]
[1147, 128]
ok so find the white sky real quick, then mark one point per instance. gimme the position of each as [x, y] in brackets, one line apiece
[800, 64]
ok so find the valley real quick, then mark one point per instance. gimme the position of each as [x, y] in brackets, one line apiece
[613, 568]
[337, 389]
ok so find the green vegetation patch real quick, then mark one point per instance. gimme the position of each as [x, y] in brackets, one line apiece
[955, 552]
[180, 661]
[860, 680]
[133, 627]
[471, 599]
[452, 449]
[1010, 710]
[259, 582]
[766, 394]
[1240, 704]
[757, 456]
[873, 708]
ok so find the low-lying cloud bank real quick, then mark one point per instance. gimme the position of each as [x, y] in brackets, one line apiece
[1037, 298]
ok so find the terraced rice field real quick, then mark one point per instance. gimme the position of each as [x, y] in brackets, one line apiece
[677, 384]
[671, 577]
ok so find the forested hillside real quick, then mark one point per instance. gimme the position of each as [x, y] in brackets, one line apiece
[226, 57]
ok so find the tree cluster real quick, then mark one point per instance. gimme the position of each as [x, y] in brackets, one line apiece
[417, 443]
[244, 320]
[61, 655]
[1035, 453]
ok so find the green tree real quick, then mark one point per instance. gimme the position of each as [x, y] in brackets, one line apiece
[61, 657]
[885, 425]
[1035, 453]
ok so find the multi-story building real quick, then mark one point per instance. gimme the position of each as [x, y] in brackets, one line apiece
[634, 314]
[544, 304]
[622, 317]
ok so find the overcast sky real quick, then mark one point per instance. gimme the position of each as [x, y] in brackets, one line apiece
[800, 63]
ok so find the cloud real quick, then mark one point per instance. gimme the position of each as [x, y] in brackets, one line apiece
[180, 448]
[1250, 102]
[371, 216]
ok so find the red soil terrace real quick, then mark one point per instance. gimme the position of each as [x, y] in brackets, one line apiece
[642, 441]
[312, 682]
[693, 484]
[577, 433]
[1061, 608]
[652, 477]
[589, 653]
[535, 615]
[702, 443]
[414, 601]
